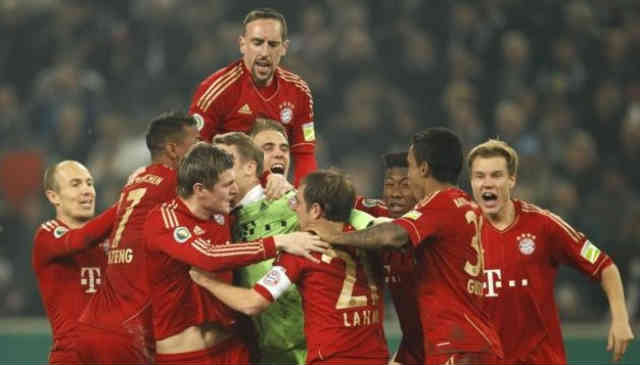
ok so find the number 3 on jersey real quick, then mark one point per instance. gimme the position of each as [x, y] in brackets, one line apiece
[475, 286]
[346, 299]
[134, 196]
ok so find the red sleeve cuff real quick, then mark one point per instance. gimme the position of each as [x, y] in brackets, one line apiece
[411, 229]
[263, 292]
[269, 247]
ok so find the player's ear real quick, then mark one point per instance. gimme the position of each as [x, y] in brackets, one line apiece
[316, 210]
[425, 169]
[53, 197]
[285, 47]
[512, 181]
[242, 44]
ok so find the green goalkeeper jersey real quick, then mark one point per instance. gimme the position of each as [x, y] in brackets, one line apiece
[281, 326]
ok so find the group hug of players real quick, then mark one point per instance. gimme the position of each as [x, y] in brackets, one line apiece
[210, 256]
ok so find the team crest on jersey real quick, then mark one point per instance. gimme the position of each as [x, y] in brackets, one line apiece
[60, 231]
[219, 218]
[199, 121]
[286, 112]
[526, 243]
[181, 234]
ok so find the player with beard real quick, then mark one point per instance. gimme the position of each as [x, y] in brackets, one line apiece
[256, 86]
[65, 257]
[524, 247]
[399, 265]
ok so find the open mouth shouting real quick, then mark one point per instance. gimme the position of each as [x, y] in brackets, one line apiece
[277, 168]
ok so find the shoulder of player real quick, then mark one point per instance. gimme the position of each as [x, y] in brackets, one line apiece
[218, 84]
[375, 207]
[549, 219]
[167, 215]
[51, 229]
[293, 79]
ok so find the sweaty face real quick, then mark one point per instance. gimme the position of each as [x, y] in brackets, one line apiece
[396, 194]
[219, 199]
[262, 48]
[414, 176]
[276, 151]
[75, 198]
[491, 184]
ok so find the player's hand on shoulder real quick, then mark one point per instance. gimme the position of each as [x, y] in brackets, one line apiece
[200, 276]
[301, 244]
[620, 335]
[324, 229]
[277, 186]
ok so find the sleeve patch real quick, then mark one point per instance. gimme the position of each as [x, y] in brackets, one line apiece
[275, 281]
[181, 234]
[590, 252]
[309, 132]
[199, 121]
[60, 231]
[412, 214]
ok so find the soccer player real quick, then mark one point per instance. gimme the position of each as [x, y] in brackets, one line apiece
[444, 227]
[65, 256]
[271, 137]
[524, 246]
[399, 265]
[190, 325]
[116, 325]
[340, 295]
[280, 327]
[255, 86]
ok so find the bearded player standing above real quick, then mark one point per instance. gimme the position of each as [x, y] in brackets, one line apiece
[524, 246]
[255, 86]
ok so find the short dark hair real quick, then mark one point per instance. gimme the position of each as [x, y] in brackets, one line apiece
[246, 148]
[333, 191]
[202, 164]
[265, 124]
[395, 159]
[441, 148]
[266, 13]
[165, 128]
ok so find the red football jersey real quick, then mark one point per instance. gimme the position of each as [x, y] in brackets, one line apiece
[399, 267]
[175, 241]
[343, 310]
[69, 271]
[521, 263]
[124, 303]
[445, 228]
[228, 100]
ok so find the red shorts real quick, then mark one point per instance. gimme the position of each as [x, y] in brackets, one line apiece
[481, 358]
[229, 351]
[101, 346]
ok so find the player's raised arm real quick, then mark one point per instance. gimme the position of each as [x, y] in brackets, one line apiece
[381, 235]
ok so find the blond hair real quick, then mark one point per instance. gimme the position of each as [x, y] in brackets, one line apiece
[495, 148]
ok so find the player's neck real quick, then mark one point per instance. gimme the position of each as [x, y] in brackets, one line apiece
[70, 222]
[196, 209]
[505, 217]
[164, 160]
[431, 186]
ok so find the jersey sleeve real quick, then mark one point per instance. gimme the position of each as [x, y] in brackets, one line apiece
[208, 119]
[420, 223]
[303, 136]
[573, 248]
[194, 250]
[48, 245]
[285, 271]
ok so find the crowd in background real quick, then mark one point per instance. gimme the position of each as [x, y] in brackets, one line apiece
[559, 80]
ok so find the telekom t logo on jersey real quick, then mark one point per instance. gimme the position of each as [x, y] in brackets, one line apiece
[90, 276]
[494, 282]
